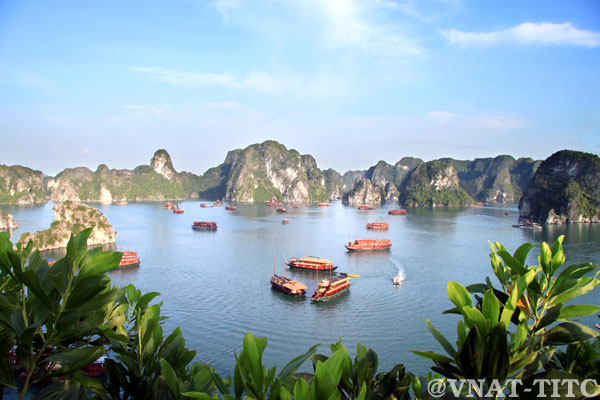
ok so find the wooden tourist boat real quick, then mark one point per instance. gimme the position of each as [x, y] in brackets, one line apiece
[177, 210]
[230, 208]
[311, 264]
[365, 207]
[204, 225]
[129, 259]
[330, 287]
[122, 203]
[285, 221]
[168, 205]
[203, 205]
[369, 244]
[323, 204]
[288, 286]
[399, 211]
[379, 226]
[273, 202]
[218, 203]
[281, 210]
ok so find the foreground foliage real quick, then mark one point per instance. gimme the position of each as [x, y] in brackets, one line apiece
[55, 320]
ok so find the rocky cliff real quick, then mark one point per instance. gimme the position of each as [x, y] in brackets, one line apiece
[494, 180]
[364, 192]
[7, 223]
[72, 218]
[21, 185]
[154, 182]
[434, 183]
[565, 188]
[266, 170]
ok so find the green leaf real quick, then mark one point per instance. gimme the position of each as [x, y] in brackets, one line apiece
[363, 392]
[515, 266]
[568, 332]
[170, 377]
[511, 305]
[300, 389]
[253, 350]
[295, 363]
[469, 358]
[474, 316]
[31, 280]
[522, 252]
[458, 294]
[583, 286]
[551, 315]
[579, 310]
[545, 257]
[74, 359]
[198, 395]
[490, 307]
[100, 263]
[432, 356]
[284, 394]
[440, 338]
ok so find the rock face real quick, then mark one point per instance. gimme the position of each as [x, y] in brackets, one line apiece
[6, 221]
[494, 180]
[71, 218]
[266, 170]
[156, 182]
[434, 183]
[21, 185]
[386, 179]
[364, 192]
[565, 188]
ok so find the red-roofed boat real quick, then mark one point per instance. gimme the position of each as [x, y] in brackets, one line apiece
[399, 211]
[379, 226]
[369, 244]
[311, 263]
[230, 208]
[365, 207]
[288, 286]
[129, 259]
[204, 225]
[330, 287]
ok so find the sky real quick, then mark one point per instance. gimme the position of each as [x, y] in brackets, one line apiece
[350, 82]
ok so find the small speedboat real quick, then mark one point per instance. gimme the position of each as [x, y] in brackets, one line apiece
[398, 279]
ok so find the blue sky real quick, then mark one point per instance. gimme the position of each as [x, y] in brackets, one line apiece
[348, 81]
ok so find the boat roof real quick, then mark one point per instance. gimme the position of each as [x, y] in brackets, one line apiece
[315, 260]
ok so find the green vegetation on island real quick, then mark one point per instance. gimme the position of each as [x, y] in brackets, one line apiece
[434, 183]
[69, 219]
[57, 319]
[21, 185]
[565, 188]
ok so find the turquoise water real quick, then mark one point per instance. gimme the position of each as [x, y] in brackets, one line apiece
[215, 285]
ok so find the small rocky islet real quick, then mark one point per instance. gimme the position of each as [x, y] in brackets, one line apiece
[564, 188]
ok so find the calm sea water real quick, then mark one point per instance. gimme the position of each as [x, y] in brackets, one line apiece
[215, 285]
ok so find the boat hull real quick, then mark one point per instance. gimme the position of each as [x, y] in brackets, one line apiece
[368, 249]
[127, 266]
[330, 294]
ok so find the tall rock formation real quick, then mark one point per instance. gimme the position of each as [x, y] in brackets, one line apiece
[7, 223]
[21, 185]
[565, 188]
[364, 192]
[434, 184]
[72, 218]
[155, 182]
[262, 171]
[494, 180]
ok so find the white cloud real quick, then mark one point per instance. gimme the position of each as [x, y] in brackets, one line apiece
[85, 151]
[321, 83]
[528, 33]
[481, 120]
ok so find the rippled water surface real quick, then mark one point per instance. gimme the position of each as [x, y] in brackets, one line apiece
[215, 285]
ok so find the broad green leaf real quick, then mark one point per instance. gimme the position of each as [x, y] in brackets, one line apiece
[568, 332]
[363, 392]
[432, 356]
[515, 266]
[253, 350]
[579, 310]
[31, 280]
[545, 257]
[295, 363]
[551, 315]
[300, 389]
[74, 359]
[440, 338]
[198, 395]
[474, 316]
[490, 307]
[458, 294]
[522, 252]
[284, 394]
[101, 262]
[583, 286]
[511, 305]
[170, 377]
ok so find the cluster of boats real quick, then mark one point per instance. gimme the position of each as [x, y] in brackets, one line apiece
[173, 207]
[528, 224]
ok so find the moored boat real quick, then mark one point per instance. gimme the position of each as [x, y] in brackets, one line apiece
[177, 210]
[368, 244]
[288, 286]
[273, 202]
[281, 210]
[329, 287]
[285, 221]
[129, 259]
[323, 204]
[380, 226]
[168, 205]
[399, 211]
[365, 207]
[122, 203]
[203, 205]
[204, 225]
[218, 203]
[311, 263]
[230, 208]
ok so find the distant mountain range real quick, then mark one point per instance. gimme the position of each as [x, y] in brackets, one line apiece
[266, 170]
